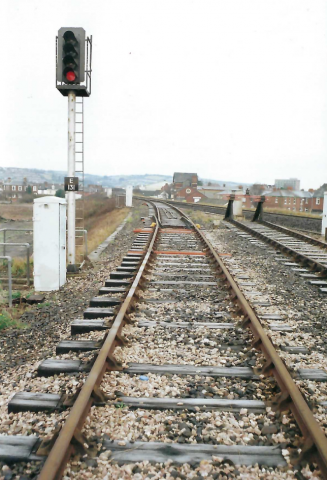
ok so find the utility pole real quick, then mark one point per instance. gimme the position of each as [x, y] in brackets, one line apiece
[73, 79]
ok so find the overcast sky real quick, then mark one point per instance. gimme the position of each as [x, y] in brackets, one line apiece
[230, 89]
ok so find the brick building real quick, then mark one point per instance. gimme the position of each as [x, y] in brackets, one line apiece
[291, 200]
[318, 199]
[183, 180]
[189, 194]
[17, 189]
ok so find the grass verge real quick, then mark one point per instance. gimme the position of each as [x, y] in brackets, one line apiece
[201, 218]
[104, 226]
[17, 211]
[18, 268]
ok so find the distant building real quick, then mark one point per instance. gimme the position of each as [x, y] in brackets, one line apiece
[17, 189]
[220, 195]
[318, 199]
[292, 183]
[182, 180]
[117, 191]
[154, 186]
[290, 200]
[49, 189]
[217, 192]
[163, 195]
[258, 188]
[94, 189]
[189, 194]
[167, 190]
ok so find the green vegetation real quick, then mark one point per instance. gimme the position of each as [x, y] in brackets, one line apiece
[42, 305]
[5, 320]
[201, 218]
[10, 318]
[60, 193]
[101, 218]
[18, 268]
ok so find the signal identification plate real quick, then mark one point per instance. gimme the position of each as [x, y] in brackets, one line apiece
[71, 184]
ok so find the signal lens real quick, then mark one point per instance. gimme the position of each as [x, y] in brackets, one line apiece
[70, 76]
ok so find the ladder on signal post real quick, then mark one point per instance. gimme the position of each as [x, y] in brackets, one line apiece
[79, 172]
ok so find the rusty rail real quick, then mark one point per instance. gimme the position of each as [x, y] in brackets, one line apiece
[221, 210]
[70, 435]
[315, 441]
[292, 233]
[315, 445]
[303, 259]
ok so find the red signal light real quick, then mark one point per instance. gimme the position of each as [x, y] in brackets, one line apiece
[70, 76]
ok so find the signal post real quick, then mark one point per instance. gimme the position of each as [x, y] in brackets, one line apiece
[71, 207]
[73, 78]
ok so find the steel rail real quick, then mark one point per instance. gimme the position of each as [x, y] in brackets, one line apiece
[315, 441]
[303, 259]
[70, 434]
[292, 233]
[246, 210]
[291, 397]
[220, 210]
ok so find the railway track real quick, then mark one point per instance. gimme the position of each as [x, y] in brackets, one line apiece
[198, 382]
[309, 254]
[300, 222]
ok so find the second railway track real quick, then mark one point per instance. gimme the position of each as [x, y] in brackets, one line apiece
[198, 383]
[308, 253]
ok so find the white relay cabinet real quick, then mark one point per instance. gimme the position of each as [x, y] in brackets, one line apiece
[49, 240]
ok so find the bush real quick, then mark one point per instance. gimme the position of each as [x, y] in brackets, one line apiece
[60, 193]
[26, 198]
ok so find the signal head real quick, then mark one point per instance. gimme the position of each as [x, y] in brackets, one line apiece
[71, 56]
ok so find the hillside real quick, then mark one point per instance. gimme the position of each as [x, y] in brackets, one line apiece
[54, 176]
[34, 175]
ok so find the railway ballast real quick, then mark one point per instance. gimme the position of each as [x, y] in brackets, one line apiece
[173, 372]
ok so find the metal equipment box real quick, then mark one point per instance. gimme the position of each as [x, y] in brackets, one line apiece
[49, 238]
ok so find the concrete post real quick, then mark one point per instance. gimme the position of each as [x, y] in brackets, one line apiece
[71, 267]
[129, 196]
[237, 208]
